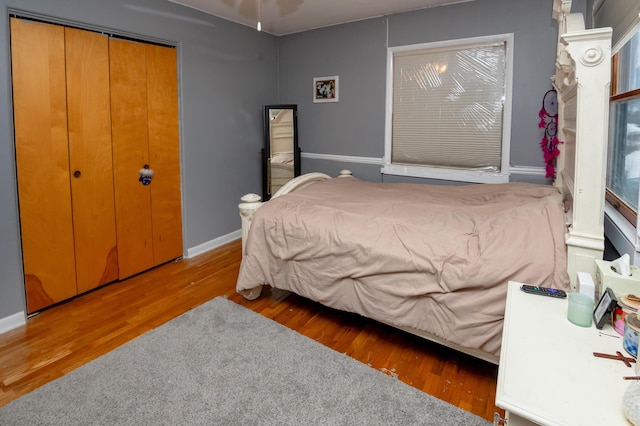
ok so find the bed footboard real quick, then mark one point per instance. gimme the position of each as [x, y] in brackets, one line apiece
[252, 202]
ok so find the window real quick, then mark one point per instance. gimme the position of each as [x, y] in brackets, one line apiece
[623, 169]
[448, 109]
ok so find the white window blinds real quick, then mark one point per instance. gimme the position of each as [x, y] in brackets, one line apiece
[448, 109]
[448, 106]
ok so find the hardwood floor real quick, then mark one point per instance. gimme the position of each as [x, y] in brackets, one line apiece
[70, 334]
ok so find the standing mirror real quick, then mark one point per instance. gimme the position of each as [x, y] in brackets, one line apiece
[281, 155]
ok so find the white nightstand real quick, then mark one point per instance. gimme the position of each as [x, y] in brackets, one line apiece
[548, 374]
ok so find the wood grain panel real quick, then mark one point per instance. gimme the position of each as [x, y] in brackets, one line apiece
[130, 153]
[42, 161]
[88, 97]
[164, 150]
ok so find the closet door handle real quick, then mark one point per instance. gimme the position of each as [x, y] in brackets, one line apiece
[77, 174]
[146, 173]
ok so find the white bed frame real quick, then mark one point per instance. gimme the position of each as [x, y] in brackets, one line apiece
[582, 80]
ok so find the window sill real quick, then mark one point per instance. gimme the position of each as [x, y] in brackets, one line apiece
[621, 233]
[446, 174]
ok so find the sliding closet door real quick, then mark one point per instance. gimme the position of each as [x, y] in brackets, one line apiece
[89, 115]
[42, 161]
[144, 109]
[130, 139]
[164, 149]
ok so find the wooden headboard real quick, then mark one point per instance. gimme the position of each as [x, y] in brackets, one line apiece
[582, 80]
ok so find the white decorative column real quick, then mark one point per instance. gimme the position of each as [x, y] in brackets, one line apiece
[584, 108]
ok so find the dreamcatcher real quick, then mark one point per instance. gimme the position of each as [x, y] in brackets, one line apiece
[549, 122]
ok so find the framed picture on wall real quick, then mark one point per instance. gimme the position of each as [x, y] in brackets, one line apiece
[325, 89]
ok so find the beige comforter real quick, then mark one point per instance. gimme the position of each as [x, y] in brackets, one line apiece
[434, 258]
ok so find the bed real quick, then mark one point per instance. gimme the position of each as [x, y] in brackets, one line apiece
[435, 260]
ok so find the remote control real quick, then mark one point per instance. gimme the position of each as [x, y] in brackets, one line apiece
[543, 291]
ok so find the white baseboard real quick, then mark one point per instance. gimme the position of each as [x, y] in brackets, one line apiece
[18, 319]
[12, 321]
[213, 244]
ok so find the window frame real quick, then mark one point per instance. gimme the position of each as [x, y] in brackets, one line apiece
[614, 200]
[446, 173]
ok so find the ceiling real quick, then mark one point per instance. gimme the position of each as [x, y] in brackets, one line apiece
[281, 17]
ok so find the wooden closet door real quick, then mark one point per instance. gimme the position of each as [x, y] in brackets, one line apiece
[42, 161]
[164, 149]
[130, 140]
[89, 118]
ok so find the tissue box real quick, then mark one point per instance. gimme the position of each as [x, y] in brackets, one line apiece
[606, 277]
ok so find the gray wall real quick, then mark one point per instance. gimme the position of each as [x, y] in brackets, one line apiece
[226, 74]
[228, 71]
[357, 53]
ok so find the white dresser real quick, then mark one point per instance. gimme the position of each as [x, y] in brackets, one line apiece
[548, 374]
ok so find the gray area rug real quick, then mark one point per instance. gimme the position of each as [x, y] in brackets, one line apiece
[221, 363]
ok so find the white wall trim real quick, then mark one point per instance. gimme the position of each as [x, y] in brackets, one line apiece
[343, 158]
[12, 321]
[528, 170]
[213, 244]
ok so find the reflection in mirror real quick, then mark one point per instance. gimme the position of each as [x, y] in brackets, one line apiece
[281, 154]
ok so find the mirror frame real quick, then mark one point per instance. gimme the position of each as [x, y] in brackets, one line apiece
[266, 150]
